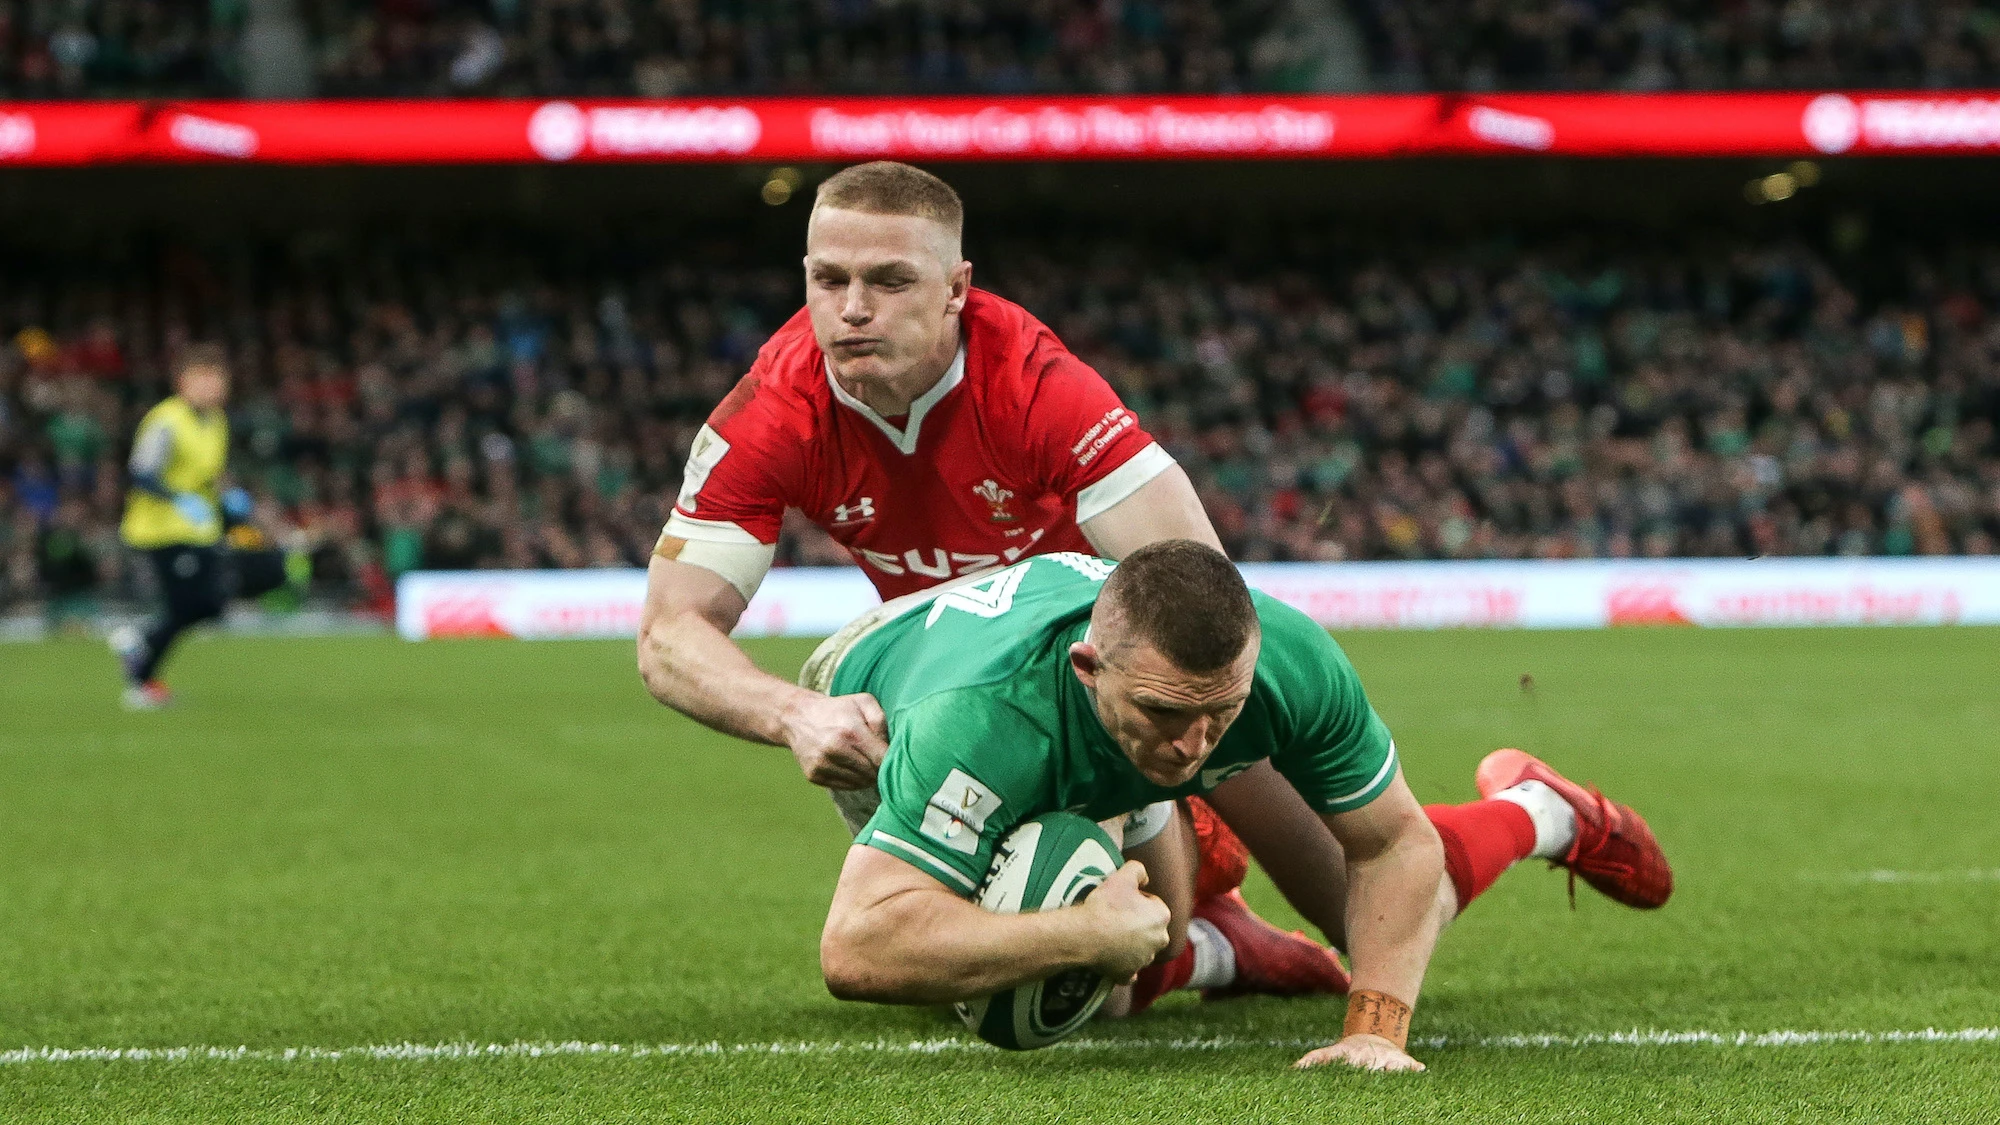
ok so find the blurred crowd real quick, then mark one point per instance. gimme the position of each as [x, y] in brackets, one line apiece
[661, 48]
[1680, 44]
[443, 48]
[395, 409]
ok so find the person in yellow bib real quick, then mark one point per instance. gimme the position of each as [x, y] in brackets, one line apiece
[177, 511]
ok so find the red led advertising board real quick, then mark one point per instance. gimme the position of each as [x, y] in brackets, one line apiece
[937, 129]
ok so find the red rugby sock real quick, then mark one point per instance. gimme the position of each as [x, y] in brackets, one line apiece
[1481, 840]
[1221, 859]
[1155, 981]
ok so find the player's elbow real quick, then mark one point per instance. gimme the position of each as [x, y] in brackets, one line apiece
[847, 978]
[1415, 841]
[660, 630]
[851, 962]
[1406, 840]
[1421, 852]
[654, 663]
[653, 671]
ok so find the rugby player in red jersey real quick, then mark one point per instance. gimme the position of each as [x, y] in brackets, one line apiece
[938, 431]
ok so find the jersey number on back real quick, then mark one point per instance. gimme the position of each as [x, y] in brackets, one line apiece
[988, 597]
[991, 597]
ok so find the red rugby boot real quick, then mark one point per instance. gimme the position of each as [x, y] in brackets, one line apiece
[1614, 850]
[1269, 961]
[149, 696]
[1224, 861]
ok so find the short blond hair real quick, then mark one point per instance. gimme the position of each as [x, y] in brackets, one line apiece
[885, 187]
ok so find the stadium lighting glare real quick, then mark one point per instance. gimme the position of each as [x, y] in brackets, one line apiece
[1772, 188]
[781, 185]
[1779, 186]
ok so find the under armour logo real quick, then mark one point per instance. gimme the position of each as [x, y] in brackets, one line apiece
[862, 509]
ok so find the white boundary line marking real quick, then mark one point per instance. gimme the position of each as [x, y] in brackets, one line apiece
[556, 1049]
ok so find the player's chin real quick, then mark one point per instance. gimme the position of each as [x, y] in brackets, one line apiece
[861, 360]
[1171, 777]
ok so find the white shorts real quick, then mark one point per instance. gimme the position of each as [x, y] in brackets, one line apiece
[1144, 826]
[857, 806]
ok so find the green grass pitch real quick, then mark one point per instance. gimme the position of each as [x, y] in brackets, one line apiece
[350, 842]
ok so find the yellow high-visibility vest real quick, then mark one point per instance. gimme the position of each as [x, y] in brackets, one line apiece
[197, 451]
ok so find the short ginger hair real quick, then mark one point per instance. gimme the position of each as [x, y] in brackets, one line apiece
[886, 187]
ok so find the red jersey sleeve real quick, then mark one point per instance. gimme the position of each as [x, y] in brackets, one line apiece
[731, 490]
[1084, 443]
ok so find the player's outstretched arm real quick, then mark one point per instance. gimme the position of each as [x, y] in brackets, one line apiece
[1395, 869]
[894, 935]
[690, 664]
[1165, 507]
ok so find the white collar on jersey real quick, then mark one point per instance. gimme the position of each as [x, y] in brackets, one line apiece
[905, 439]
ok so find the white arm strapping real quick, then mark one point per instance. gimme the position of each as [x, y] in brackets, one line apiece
[1096, 499]
[722, 547]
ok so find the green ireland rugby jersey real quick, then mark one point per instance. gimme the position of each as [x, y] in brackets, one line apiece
[988, 725]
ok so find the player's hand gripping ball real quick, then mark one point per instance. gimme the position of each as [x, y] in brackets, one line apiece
[1051, 861]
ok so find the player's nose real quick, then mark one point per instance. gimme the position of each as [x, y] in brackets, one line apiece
[1193, 742]
[855, 309]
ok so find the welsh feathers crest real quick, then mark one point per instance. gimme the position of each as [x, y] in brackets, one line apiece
[996, 498]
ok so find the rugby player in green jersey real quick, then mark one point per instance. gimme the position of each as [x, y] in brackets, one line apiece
[1072, 683]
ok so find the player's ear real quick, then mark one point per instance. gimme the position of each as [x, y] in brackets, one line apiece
[1083, 660]
[960, 282]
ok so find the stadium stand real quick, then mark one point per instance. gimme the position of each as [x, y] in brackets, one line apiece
[433, 48]
[1679, 44]
[1526, 400]
[415, 48]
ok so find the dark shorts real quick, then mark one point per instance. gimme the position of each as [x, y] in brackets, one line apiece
[191, 581]
[197, 582]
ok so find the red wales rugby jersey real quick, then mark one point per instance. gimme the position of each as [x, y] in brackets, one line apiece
[1016, 445]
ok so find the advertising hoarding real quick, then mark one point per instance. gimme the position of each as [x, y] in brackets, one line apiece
[1589, 594]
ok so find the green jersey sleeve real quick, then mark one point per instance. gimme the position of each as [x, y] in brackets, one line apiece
[962, 770]
[1337, 751]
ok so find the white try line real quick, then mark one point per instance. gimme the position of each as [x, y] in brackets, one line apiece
[423, 1052]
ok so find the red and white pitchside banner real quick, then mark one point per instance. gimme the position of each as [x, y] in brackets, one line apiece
[1591, 594]
[439, 131]
[1501, 595]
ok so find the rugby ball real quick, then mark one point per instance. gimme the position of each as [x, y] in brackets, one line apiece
[1051, 861]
